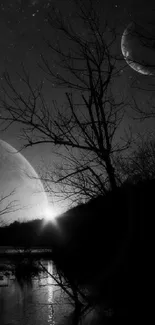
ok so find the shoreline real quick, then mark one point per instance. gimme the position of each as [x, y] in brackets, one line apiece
[11, 251]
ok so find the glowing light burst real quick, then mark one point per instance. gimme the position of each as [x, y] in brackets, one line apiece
[50, 214]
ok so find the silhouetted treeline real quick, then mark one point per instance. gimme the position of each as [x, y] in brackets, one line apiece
[109, 244]
[28, 234]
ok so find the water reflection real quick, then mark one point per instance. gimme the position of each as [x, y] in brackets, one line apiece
[43, 303]
[50, 291]
[30, 305]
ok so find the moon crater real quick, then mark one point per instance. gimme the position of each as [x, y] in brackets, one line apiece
[137, 45]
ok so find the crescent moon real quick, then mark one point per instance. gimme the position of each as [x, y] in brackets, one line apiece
[137, 47]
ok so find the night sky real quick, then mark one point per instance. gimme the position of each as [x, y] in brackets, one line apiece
[23, 26]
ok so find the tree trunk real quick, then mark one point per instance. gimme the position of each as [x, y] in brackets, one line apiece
[111, 173]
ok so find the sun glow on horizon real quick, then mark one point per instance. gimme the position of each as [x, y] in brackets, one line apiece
[50, 214]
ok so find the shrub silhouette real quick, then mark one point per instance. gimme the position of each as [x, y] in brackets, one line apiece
[108, 244]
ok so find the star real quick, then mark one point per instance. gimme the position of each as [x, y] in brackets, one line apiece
[34, 2]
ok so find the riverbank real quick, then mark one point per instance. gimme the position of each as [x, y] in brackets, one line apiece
[10, 251]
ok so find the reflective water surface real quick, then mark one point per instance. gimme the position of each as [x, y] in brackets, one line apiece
[43, 304]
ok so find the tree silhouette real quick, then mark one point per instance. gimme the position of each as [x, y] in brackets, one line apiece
[7, 206]
[85, 128]
[140, 163]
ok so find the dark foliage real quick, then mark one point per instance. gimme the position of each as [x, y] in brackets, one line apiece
[109, 245]
[28, 234]
[25, 269]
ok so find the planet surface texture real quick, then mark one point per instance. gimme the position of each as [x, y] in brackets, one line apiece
[28, 199]
[138, 48]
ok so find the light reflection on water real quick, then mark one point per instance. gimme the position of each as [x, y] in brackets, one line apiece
[50, 287]
[41, 304]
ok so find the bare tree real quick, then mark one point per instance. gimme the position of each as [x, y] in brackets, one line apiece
[140, 164]
[7, 206]
[85, 128]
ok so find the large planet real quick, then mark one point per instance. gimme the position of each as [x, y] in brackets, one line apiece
[138, 48]
[28, 199]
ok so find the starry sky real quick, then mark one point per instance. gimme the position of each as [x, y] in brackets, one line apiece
[23, 24]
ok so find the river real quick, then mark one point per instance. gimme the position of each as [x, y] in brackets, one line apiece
[43, 303]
